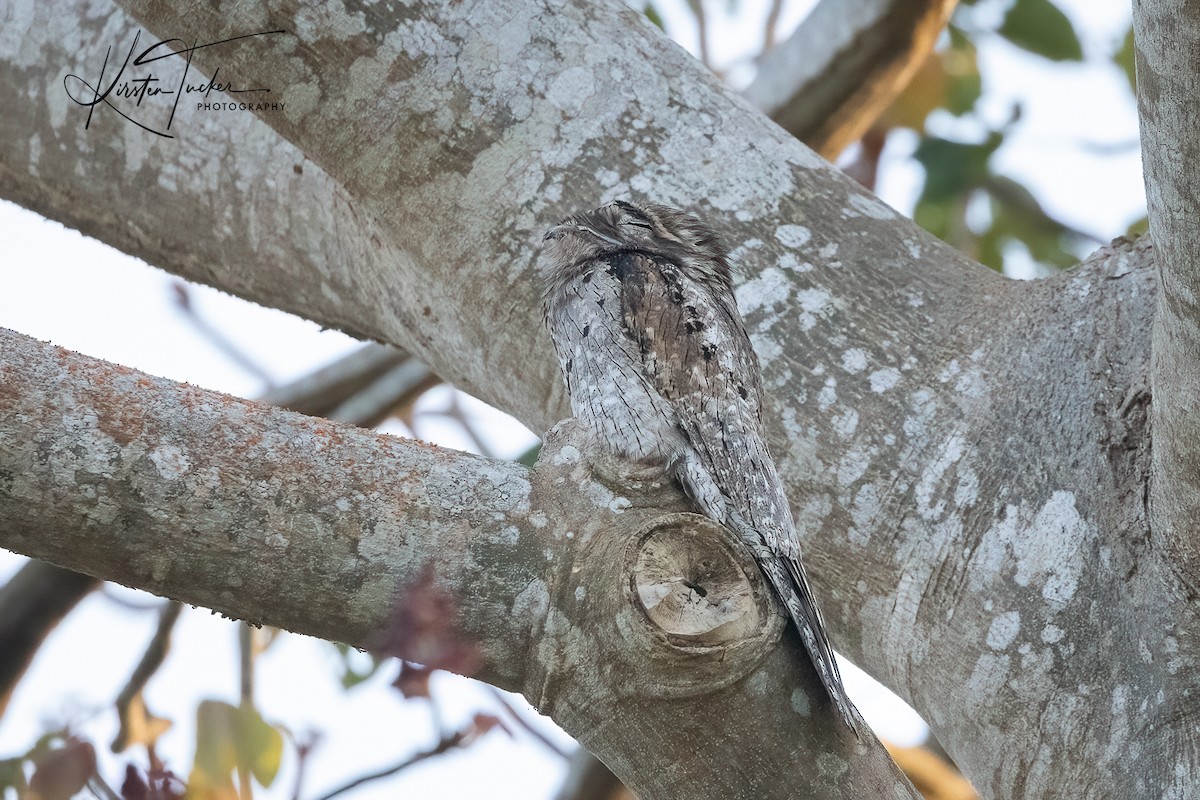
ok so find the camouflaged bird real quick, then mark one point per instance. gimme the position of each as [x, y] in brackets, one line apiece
[639, 302]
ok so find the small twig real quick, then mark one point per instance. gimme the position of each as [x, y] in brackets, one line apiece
[697, 7]
[456, 412]
[246, 658]
[133, 605]
[375, 401]
[303, 748]
[770, 27]
[152, 659]
[101, 789]
[519, 718]
[458, 739]
[183, 301]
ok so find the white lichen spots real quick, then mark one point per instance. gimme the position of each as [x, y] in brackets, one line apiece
[931, 478]
[532, 601]
[1144, 652]
[1046, 549]
[1171, 648]
[828, 251]
[327, 21]
[1003, 630]
[571, 90]
[570, 535]
[619, 504]
[580, 594]
[788, 261]
[1052, 634]
[845, 423]
[800, 703]
[549, 554]
[865, 511]
[949, 371]
[852, 465]
[793, 235]
[854, 360]
[828, 394]
[967, 491]
[869, 206]
[342, 504]
[988, 676]
[765, 290]
[567, 454]
[767, 348]
[538, 519]
[508, 535]
[971, 384]
[883, 379]
[300, 99]
[831, 766]
[915, 299]
[812, 300]
[738, 253]
[914, 248]
[170, 461]
[607, 177]
[1059, 588]
[276, 539]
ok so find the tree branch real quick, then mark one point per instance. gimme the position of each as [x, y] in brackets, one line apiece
[1167, 34]
[572, 597]
[844, 66]
[32, 603]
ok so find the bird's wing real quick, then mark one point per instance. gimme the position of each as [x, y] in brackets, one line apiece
[698, 357]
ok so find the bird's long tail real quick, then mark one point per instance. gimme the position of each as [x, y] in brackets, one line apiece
[790, 582]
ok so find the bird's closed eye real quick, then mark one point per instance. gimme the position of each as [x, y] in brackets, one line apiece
[637, 224]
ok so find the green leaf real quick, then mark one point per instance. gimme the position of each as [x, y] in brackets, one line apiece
[1039, 27]
[952, 168]
[229, 739]
[655, 18]
[963, 82]
[530, 456]
[1137, 228]
[260, 745]
[12, 773]
[352, 674]
[1125, 58]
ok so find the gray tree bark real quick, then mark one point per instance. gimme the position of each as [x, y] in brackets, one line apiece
[969, 459]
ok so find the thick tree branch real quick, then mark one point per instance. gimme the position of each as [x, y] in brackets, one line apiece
[844, 65]
[1168, 83]
[572, 597]
[359, 388]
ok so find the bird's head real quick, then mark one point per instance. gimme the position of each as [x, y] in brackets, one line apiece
[657, 230]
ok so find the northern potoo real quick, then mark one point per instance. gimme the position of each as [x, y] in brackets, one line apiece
[639, 302]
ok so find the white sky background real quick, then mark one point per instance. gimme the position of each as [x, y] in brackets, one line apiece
[58, 286]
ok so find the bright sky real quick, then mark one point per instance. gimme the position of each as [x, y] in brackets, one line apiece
[57, 285]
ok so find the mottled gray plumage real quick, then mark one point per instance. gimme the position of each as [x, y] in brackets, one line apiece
[639, 302]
